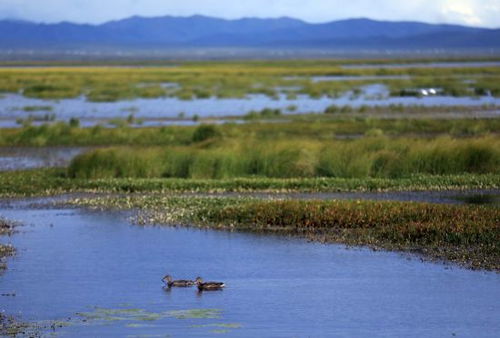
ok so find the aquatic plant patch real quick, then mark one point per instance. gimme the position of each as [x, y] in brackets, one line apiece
[6, 229]
[50, 182]
[132, 317]
[12, 327]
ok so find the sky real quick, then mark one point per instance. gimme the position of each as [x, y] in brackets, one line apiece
[484, 13]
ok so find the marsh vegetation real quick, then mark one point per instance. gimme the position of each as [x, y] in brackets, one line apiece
[372, 156]
[305, 127]
[235, 173]
[343, 148]
[191, 80]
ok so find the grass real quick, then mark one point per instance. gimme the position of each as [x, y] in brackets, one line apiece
[311, 127]
[49, 182]
[216, 158]
[266, 113]
[37, 108]
[176, 63]
[462, 234]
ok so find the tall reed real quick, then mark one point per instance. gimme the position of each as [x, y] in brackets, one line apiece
[366, 157]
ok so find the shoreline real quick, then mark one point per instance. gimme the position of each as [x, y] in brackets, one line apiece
[463, 235]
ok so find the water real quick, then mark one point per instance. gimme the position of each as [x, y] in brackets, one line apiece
[163, 108]
[70, 261]
[153, 122]
[18, 158]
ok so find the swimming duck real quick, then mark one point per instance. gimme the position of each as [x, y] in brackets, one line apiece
[179, 283]
[208, 286]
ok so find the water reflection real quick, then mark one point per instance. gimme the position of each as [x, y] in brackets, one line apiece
[480, 199]
[161, 108]
[19, 158]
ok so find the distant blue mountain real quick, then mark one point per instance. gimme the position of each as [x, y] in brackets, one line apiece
[202, 31]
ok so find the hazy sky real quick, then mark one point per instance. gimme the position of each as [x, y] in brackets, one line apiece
[470, 12]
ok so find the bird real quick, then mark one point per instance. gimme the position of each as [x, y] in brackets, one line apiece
[208, 286]
[179, 283]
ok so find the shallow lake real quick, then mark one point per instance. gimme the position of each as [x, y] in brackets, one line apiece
[11, 105]
[97, 264]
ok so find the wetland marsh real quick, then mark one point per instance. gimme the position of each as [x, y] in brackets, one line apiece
[218, 89]
[257, 173]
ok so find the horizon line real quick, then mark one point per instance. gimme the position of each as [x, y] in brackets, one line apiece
[241, 18]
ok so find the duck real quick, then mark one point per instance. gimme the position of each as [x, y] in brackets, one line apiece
[208, 286]
[178, 283]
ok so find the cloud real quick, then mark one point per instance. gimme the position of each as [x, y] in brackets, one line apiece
[462, 11]
[471, 12]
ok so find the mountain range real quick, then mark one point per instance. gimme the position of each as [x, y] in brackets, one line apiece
[201, 31]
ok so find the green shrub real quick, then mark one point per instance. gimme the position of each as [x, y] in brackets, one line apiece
[205, 132]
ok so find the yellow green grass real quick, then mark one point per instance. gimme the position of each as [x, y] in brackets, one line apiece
[231, 79]
[218, 158]
[306, 127]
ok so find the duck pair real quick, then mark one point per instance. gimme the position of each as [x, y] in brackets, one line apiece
[202, 286]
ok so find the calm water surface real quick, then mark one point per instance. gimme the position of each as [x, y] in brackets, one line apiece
[19, 158]
[71, 261]
[374, 95]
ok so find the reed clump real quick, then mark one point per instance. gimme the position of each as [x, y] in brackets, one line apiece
[372, 156]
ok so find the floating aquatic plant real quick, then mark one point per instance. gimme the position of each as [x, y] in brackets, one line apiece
[196, 313]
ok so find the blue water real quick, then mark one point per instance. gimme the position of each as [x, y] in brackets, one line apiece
[70, 261]
[162, 108]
